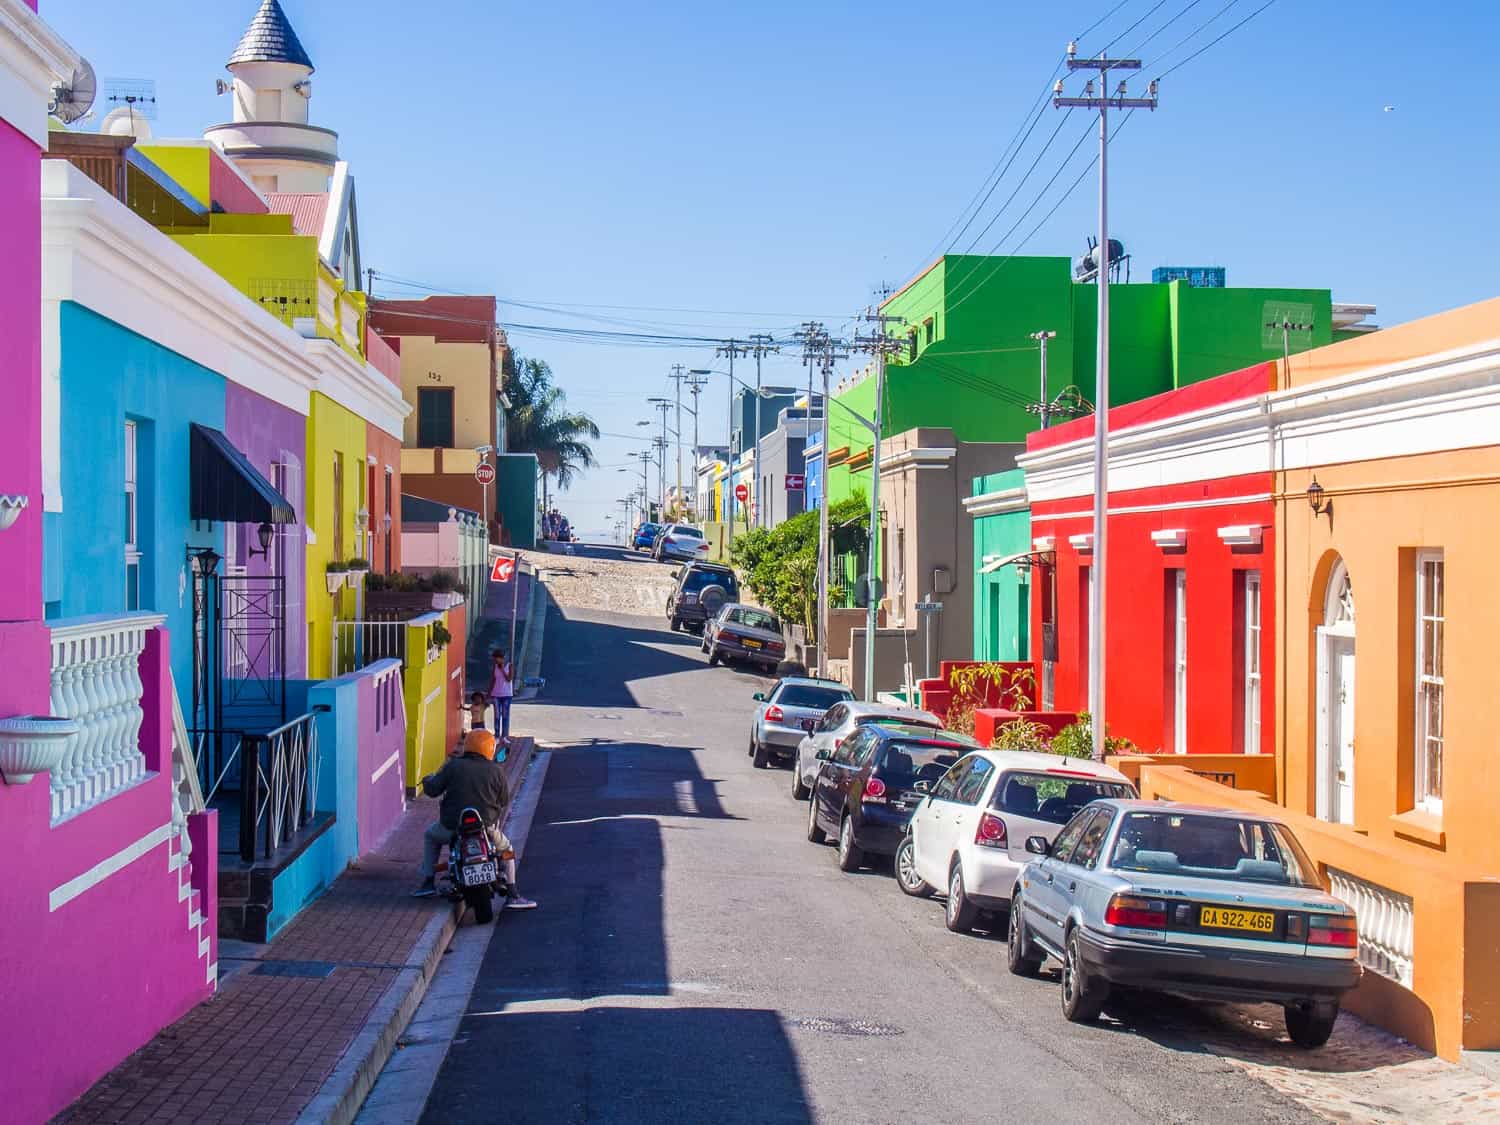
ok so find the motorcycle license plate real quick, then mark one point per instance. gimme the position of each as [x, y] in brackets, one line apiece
[480, 874]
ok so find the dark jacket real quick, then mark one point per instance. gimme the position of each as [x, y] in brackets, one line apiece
[469, 782]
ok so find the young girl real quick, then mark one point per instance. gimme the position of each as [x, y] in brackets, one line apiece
[474, 712]
[503, 692]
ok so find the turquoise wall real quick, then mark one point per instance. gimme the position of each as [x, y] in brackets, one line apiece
[109, 374]
[1001, 621]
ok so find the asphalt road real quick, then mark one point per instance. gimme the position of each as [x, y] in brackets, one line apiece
[695, 959]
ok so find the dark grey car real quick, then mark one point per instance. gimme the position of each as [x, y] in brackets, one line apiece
[744, 633]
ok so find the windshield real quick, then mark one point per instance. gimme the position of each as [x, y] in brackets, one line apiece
[696, 580]
[1212, 847]
[805, 695]
[898, 720]
[906, 763]
[690, 532]
[754, 619]
[1050, 797]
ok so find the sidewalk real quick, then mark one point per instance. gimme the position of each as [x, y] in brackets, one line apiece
[304, 1027]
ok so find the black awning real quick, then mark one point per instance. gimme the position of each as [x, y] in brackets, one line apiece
[227, 488]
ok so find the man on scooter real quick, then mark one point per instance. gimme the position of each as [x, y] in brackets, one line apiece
[473, 780]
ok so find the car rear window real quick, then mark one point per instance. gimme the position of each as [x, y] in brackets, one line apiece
[1049, 796]
[690, 532]
[905, 763]
[697, 580]
[1212, 847]
[805, 695]
[753, 619]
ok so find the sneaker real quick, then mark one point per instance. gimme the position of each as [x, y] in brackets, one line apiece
[518, 902]
[428, 889]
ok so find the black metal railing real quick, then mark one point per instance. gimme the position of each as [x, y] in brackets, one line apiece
[1223, 777]
[278, 784]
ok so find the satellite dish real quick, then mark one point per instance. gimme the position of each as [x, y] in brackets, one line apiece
[122, 121]
[74, 98]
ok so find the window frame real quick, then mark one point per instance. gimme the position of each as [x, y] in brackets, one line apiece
[981, 770]
[132, 547]
[955, 774]
[1091, 861]
[1425, 685]
[1252, 686]
[1179, 660]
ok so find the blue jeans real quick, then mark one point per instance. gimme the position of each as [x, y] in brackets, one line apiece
[502, 714]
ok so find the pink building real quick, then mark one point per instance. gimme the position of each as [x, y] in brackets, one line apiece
[106, 924]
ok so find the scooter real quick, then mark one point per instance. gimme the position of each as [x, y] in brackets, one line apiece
[476, 871]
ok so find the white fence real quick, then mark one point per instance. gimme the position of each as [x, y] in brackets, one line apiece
[1386, 927]
[358, 644]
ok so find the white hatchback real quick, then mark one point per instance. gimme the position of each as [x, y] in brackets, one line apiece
[837, 724]
[968, 836]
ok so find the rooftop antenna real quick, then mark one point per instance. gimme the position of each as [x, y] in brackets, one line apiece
[137, 96]
[72, 100]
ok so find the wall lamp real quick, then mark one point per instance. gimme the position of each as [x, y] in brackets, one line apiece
[266, 534]
[1320, 504]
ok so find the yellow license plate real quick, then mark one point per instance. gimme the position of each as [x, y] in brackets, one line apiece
[752, 644]
[1255, 921]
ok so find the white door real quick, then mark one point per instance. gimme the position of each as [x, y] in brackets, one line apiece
[1342, 699]
[933, 824]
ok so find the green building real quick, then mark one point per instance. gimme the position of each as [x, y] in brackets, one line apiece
[1002, 531]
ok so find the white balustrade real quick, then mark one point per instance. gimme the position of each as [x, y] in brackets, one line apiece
[1386, 924]
[96, 680]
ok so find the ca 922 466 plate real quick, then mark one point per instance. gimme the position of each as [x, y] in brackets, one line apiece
[1245, 921]
[480, 874]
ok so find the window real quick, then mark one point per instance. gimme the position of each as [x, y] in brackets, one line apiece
[928, 328]
[834, 718]
[1089, 841]
[1177, 584]
[132, 523]
[338, 507]
[276, 564]
[906, 763]
[1212, 847]
[1252, 662]
[851, 746]
[268, 105]
[1062, 847]
[435, 417]
[972, 786]
[1429, 738]
[387, 526]
[805, 695]
[947, 787]
[911, 346]
[1051, 797]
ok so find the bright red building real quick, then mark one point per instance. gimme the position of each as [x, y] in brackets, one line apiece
[1190, 637]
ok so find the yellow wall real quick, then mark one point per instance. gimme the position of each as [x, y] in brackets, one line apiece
[332, 432]
[187, 164]
[426, 692]
[464, 366]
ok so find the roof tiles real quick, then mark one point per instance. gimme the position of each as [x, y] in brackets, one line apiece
[270, 38]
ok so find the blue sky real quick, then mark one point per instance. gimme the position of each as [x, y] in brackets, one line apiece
[785, 159]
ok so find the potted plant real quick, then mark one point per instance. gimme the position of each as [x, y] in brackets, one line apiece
[358, 568]
[32, 744]
[438, 638]
[337, 574]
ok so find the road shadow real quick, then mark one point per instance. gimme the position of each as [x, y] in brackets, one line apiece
[593, 663]
[622, 1064]
[608, 778]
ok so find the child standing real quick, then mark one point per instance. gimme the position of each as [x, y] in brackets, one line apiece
[503, 692]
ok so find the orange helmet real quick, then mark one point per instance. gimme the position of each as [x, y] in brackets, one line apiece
[480, 742]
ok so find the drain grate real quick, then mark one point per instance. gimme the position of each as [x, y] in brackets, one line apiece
[831, 1026]
[315, 969]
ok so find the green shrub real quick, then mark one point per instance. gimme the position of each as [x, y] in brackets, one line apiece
[1077, 740]
[1022, 734]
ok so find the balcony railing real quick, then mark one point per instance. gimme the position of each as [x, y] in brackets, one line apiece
[1387, 939]
[96, 679]
[358, 644]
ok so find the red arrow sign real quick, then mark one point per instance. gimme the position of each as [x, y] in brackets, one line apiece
[742, 492]
[795, 482]
[503, 569]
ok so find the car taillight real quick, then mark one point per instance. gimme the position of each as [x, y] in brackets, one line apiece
[775, 714]
[1333, 929]
[1137, 913]
[776, 646]
[991, 832]
[874, 791]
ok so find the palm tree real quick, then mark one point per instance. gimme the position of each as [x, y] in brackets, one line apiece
[539, 422]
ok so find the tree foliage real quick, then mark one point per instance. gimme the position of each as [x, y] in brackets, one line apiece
[779, 566]
[540, 422]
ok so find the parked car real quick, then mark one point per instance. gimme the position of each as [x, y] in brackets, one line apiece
[746, 634]
[968, 835]
[679, 541]
[644, 536]
[787, 711]
[837, 724]
[1201, 902]
[702, 590]
[867, 788]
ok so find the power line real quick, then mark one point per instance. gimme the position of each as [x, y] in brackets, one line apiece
[1100, 20]
[1136, 50]
[1132, 27]
[1216, 39]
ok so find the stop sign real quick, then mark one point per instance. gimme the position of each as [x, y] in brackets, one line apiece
[503, 569]
[484, 473]
[742, 492]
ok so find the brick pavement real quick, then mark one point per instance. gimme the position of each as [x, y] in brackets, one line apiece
[262, 1049]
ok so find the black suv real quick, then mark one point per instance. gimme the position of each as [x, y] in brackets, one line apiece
[702, 590]
[869, 785]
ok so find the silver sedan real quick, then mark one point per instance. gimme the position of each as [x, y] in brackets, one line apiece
[836, 725]
[787, 712]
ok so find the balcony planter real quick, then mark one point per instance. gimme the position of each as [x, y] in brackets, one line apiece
[447, 599]
[31, 744]
[336, 579]
[354, 579]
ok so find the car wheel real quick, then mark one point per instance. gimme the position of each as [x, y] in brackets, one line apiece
[1019, 954]
[906, 870]
[750, 753]
[799, 788]
[676, 625]
[713, 655]
[961, 913]
[851, 858]
[1310, 1025]
[762, 756]
[1082, 997]
[815, 834]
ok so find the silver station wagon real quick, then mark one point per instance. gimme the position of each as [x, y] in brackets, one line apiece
[1195, 901]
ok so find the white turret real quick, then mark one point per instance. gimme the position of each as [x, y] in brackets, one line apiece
[270, 138]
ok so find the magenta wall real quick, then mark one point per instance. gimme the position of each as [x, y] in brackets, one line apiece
[87, 983]
[382, 752]
[20, 372]
[231, 192]
[267, 433]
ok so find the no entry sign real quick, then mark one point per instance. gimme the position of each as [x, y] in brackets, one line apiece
[503, 569]
[484, 473]
[742, 492]
[795, 482]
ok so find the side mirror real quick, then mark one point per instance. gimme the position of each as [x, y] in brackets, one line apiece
[1037, 845]
[824, 755]
[922, 787]
[759, 697]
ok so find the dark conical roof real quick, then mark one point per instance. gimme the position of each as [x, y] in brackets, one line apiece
[270, 38]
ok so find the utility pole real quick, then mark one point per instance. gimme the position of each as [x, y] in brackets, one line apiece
[760, 346]
[679, 373]
[880, 345]
[662, 404]
[730, 348]
[820, 350]
[1103, 103]
[696, 382]
[645, 456]
[1044, 407]
[1287, 326]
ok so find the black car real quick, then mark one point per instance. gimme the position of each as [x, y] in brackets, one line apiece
[869, 785]
[702, 590]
